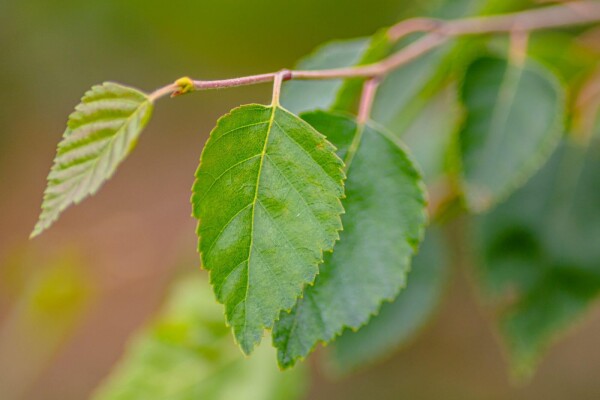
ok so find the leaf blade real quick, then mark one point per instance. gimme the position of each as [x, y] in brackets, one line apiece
[283, 186]
[379, 234]
[399, 321]
[100, 133]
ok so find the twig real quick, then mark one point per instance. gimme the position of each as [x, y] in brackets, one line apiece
[573, 13]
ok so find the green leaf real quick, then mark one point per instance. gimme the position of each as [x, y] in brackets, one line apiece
[299, 96]
[540, 253]
[515, 116]
[187, 354]
[100, 133]
[267, 196]
[383, 225]
[398, 322]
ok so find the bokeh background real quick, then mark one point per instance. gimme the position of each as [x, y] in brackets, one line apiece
[70, 300]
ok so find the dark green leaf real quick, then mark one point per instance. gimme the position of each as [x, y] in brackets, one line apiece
[383, 225]
[267, 196]
[401, 320]
[515, 115]
[541, 253]
[100, 133]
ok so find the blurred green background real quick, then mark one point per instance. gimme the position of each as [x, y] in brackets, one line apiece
[106, 265]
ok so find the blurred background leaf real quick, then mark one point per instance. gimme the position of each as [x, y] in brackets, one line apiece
[541, 253]
[49, 298]
[189, 353]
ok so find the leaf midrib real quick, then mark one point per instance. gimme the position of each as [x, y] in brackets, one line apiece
[254, 202]
[55, 210]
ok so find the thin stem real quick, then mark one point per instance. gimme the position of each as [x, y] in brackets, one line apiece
[570, 14]
[366, 100]
[413, 25]
[163, 91]
[519, 41]
[278, 79]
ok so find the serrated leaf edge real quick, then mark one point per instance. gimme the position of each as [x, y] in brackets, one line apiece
[44, 224]
[319, 262]
[420, 235]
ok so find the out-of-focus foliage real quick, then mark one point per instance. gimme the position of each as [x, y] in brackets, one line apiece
[301, 96]
[187, 353]
[541, 252]
[49, 296]
[514, 118]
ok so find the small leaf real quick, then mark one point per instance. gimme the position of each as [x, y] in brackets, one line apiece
[515, 115]
[540, 253]
[383, 225]
[187, 354]
[398, 322]
[100, 133]
[267, 196]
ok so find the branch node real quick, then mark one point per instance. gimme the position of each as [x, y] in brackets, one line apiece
[184, 85]
[286, 74]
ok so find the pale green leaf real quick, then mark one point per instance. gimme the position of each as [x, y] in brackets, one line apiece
[187, 354]
[398, 322]
[541, 253]
[515, 115]
[100, 133]
[267, 196]
[383, 225]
